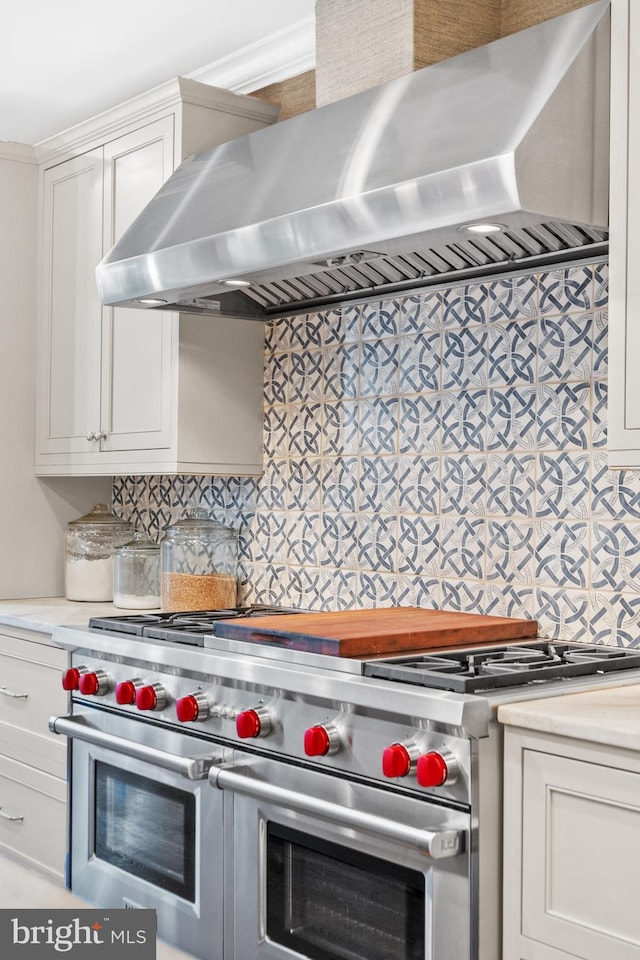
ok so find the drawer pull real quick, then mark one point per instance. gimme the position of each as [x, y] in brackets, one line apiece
[9, 693]
[7, 816]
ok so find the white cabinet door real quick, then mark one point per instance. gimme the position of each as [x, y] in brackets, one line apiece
[138, 366]
[69, 387]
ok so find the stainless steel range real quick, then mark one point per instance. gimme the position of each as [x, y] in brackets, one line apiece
[276, 804]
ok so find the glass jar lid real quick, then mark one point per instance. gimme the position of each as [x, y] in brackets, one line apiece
[139, 543]
[198, 522]
[100, 515]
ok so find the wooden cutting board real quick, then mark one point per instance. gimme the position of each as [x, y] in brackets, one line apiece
[367, 633]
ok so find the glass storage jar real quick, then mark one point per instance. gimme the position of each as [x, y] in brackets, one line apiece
[136, 574]
[198, 563]
[88, 546]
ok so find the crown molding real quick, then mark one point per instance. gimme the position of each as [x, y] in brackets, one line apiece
[20, 152]
[281, 55]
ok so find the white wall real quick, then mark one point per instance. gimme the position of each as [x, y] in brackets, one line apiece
[33, 512]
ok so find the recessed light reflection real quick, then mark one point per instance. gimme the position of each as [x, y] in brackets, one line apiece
[151, 301]
[482, 228]
[236, 283]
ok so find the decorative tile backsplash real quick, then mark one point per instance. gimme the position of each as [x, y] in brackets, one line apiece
[444, 449]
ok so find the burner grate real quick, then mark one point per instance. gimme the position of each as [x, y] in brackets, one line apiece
[478, 671]
[188, 626]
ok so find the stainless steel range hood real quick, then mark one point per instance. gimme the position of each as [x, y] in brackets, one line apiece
[372, 193]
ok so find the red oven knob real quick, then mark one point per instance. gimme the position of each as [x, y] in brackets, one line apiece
[253, 723]
[321, 740]
[126, 691]
[151, 697]
[432, 770]
[94, 684]
[192, 707]
[71, 678]
[396, 761]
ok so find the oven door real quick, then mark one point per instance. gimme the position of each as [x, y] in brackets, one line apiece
[146, 828]
[328, 869]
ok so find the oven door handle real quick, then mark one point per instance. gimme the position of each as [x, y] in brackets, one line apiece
[434, 843]
[193, 768]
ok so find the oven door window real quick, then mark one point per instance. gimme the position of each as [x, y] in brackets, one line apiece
[146, 828]
[328, 902]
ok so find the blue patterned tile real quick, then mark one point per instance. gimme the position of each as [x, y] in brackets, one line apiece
[564, 416]
[464, 305]
[271, 536]
[276, 378]
[272, 490]
[305, 429]
[423, 592]
[616, 556]
[339, 540]
[377, 542]
[419, 484]
[277, 336]
[599, 414]
[420, 362]
[339, 483]
[512, 353]
[600, 344]
[304, 588]
[270, 583]
[306, 331]
[464, 420]
[562, 614]
[462, 548]
[303, 534]
[305, 484]
[378, 484]
[464, 358]
[515, 298]
[338, 589]
[600, 285]
[421, 313]
[616, 493]
[419, 545]
[564, 291]
[420, 424]
[564, 485]
[512, 418]
[276, 432]
[342, 372]
[507, 600]
[379, 368]
[615, 619]
[379, 425]
[336, 327]
[511, 484]
[562, 553]
[241, 494]
[380, 319]
[349, 329]
[305, 376]
[463, 595]
[565, 350]
[340, 428]
[510, 551]
[464, 484]
[377, 589]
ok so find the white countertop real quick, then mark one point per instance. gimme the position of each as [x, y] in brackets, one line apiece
[610, 715]
[23, 888]
[43, 615]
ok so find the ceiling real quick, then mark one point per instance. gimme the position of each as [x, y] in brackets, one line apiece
[64, 62]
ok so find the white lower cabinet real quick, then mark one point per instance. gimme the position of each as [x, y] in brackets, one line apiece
[33, 785]
[571, 849]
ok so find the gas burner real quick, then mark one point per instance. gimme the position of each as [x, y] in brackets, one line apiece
[188, 626]
[482, 670]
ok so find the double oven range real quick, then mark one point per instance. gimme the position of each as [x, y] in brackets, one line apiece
[276, 804]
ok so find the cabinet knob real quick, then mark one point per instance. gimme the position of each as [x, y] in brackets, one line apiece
[91, 436]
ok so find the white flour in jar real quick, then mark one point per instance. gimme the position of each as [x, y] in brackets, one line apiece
[89, 579]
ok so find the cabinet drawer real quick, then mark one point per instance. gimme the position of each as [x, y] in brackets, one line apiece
[30, 692]
[38, 835]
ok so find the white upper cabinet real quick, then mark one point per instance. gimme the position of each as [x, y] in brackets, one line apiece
[130, 391]
[624, 247]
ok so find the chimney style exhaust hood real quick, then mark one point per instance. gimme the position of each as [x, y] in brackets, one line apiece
[492, 160]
